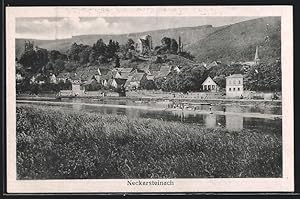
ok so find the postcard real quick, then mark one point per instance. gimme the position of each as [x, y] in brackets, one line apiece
[153, 99]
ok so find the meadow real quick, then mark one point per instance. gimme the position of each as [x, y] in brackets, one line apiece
[56, 144]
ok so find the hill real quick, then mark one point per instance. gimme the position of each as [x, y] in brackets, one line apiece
[189, 35]
[237, 42]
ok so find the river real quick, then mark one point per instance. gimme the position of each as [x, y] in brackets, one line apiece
[230, 116]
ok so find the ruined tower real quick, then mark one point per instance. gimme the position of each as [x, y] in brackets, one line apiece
[179, 44]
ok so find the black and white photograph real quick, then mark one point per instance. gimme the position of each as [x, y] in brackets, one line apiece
[149, 99]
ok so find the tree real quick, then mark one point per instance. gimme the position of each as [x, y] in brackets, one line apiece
[92, 57]
[73, 52]
[28, 59]
[49, 68]
[94, 86]
[71, 66]
[117, 61]
[148, 84]
[100, 48]
[173, 46]
[84, 55]
[112, 48]
[220, 81]
[264, 77]
[129, 45]
[58, 66]
[166, 42]
[55, 55]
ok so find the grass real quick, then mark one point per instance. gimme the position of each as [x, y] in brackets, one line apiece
[52, 144]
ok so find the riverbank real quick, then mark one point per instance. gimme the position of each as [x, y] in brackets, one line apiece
[63, 144]
[144, 107]
[254, 102]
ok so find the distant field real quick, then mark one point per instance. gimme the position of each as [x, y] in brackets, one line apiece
[52, 144]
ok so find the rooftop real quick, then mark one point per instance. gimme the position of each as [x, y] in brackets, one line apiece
[235, 76]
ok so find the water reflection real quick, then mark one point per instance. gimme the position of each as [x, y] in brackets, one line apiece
[211, 121]
[234, 122]
[204, 118]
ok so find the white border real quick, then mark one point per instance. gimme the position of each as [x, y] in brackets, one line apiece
[284, 184]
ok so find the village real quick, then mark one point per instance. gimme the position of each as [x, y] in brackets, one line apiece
[129, 81]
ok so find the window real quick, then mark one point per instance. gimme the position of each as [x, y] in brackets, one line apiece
[234, 82]
[233, 89]
[239, 81]
[238, 89]
[229, 89]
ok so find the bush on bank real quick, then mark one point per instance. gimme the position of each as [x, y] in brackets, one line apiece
[52, 144]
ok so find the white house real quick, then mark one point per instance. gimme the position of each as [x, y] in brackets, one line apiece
[234, 86]
[53, 79]
[210, 85]
[77, 87]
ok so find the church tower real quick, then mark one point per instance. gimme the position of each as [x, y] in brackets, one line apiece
[256, 58]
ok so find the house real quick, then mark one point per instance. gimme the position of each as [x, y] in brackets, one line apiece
[19, 77]
[212, 64]
[63, 77]
[234, 86]
[38, 78]
[78, 87]
[134, 82]
[164, 71]
[32, 79]
[96, 73]
[176, 69]
[116, 83]
[112, 83]
[117, 69]
[116, 74]
[105, 77]
[210, 85]
[53, 79]
[125, 72]
[150, 77]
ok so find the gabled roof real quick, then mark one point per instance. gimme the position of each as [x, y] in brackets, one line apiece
[117, 69]
[128, 81]
[86, 76]
[89, 81]
[126, 70]
[125, 75]
[150, 77]
[164, 73]
[116, 73]
[165, 68]
[120, 81]
[235, 76]
[137, 77]
[209, 81]
[212, 64]
[249, 63]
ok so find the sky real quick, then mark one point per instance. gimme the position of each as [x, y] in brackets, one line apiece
[60, 28]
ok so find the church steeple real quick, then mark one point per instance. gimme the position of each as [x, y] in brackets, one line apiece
[256, 58]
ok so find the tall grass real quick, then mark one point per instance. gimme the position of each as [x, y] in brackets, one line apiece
[52, 144]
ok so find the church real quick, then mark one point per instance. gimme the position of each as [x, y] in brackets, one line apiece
[249, 64]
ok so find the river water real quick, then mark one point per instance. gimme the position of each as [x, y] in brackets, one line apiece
[229, 116]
